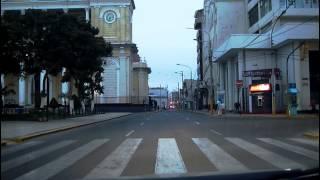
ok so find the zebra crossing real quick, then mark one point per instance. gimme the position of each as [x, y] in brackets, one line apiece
[168, 157]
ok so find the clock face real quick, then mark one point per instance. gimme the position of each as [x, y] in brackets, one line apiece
[110, 17]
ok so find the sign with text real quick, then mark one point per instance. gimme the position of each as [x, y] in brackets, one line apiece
[239, 83]
[261, 73]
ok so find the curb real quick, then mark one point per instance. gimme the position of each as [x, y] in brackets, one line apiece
[282, 116]
[20, 139]
[312, 135]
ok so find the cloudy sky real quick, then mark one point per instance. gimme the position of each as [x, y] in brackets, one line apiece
[160, 30]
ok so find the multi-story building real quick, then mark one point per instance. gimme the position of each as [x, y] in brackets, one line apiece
[161, 95]
[265, 53]
[202, 90]
[113, 18]
[189, 93]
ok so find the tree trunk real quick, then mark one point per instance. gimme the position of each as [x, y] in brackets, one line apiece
[1, 102]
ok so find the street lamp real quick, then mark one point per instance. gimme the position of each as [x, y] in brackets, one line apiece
[180, 73]
[209, 56]
[183, 65]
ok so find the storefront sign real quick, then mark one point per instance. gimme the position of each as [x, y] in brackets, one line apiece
[260, 88]
[261, 73]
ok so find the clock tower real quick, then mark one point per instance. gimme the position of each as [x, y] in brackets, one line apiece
[113, 18]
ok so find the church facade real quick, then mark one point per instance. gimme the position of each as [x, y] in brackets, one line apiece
[113, 18]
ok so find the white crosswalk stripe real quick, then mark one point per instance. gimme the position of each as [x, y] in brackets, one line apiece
[114, 164]
[299, 150]
[32, 155]
[306, 141]
[270, 157]
[169, 160]
[52, 168]
[217, 156]
[19, 147]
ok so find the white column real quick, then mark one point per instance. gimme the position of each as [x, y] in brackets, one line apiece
[87, 14]
[22, 84]
[23, 11]
[65, 10]
[229, 93]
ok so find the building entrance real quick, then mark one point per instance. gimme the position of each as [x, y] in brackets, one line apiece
[314, 65]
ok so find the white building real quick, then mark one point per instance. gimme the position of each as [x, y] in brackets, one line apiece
[161, 95]
[250, 43]
[113, 18]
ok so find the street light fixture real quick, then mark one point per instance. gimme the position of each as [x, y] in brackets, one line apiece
[183, 65]
[180, 73]
[210, 66]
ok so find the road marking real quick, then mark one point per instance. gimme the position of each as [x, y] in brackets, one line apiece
[50, 169]
[169, 160]
[216, 132]
[32, 155]
[141, 124]
[270, 157]
[299, 150]
[306, 141]
[217, 156]
[114, 164]
[197, 123]
[19, 147]
[129, 133]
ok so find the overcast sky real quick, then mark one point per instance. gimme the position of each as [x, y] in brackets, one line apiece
[161, 34]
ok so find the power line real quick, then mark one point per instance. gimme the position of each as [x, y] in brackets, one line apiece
[289, 29]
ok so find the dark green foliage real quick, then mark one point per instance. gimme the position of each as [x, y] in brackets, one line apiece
[50, 42]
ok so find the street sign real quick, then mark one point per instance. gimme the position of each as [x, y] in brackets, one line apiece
[239, 83]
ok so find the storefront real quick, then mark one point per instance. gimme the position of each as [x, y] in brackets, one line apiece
[261, 89]
[261, 98]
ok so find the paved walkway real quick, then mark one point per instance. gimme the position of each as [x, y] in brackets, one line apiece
[313, 134]
[299, 116]
[22, 130]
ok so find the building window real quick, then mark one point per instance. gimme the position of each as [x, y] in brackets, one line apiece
[265, 7]
[253, 15]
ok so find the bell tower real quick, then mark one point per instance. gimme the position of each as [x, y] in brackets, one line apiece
[114, 19]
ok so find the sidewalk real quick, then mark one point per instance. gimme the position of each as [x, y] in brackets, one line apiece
[17, 131]
[314, 134]
[244, 115]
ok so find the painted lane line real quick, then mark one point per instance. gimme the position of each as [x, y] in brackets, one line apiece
[52, 168]
[272, 158]
[32, 155]
[130, 133]
[169, 160]
[141, 124]
[215, 132]
[299, 150]
[306, 141]
[218, 157]
[115, 163]
[19, 147]
[197, 123]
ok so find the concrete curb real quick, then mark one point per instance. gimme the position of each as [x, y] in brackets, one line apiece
[312, 135]
[20, 139]
[282, 116]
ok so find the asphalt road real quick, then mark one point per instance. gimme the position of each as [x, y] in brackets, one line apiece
[161, 144]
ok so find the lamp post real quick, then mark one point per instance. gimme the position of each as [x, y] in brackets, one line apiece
[183, 65]
[180, 73]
